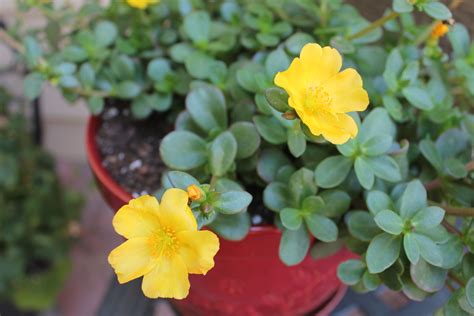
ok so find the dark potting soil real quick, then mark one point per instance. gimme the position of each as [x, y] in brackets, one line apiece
[130, 153]
[130, 149]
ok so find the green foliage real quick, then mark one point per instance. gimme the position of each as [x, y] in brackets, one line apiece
[35, 217]
[388, 193]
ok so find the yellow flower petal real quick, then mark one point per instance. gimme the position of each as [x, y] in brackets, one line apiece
[346, 92]
[319, 64]
[321, 95]
[146, 203]
[141, 4]
[169, 279]
[340, 129]
[138, 218]
[132, 259]
[174, 211]
[197, 249]
[293, 82]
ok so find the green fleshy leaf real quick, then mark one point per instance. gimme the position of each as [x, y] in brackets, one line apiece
[377, 145]
[385, 167]
[33, 85]
[402, 6]
[378, 201]
[429, 250]
[232, 202]
[270, 129]
[413, 199]
[362, 226]
[294, 245]
[276, 197]
[222, 154]
[231, 227]
[248, 139]
[350, 272]
[301, 185]
[429, 217]
[427, 277]
[207, 107]
[332, 171]
[296, 140]
[429, 151]
[418, 97]
[277, 98]
[412, 250]
[276, 61]
[470, 292]
[197, 26]
[105, 33]
[291, 218]
[389, 221]
[269, 162]
[437, 10]
[178, 179]
[191, 152]
[321, 227]
[364, 173]
[383, 251]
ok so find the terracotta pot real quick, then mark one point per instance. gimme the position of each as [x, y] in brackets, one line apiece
[248, 277]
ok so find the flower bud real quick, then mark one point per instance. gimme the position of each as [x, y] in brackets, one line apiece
[289, 115]
[439, 30]
[195, 193]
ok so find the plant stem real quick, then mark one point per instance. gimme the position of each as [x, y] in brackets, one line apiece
[436, 183]
[10, 41]
[450, 286]
[455, 211]
[424, 36]
[377, 23]
[455, 4]
[324, 12]
[213, 182]
[450, 228]
[456, 279]
[90, 93]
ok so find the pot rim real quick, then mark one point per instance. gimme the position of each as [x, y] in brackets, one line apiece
[102, 175]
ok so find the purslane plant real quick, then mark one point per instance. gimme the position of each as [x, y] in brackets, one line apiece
[260, 107]
[38, 216]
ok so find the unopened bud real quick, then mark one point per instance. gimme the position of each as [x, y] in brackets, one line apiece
[439, 30]
[289, 115]
[194, 192]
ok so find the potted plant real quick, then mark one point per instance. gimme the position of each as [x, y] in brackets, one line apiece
[36, 218]
[273, 137]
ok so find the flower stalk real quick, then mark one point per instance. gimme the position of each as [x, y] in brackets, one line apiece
[377, 23]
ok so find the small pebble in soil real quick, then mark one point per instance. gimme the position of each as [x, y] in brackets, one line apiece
[256, 219]
[135, 165]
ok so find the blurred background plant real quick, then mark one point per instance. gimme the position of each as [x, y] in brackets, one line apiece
[38, 217]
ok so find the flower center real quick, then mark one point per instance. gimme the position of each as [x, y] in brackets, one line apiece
[164, 243]
[317, 99]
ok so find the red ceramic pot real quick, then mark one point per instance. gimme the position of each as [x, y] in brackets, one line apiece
[248, 277]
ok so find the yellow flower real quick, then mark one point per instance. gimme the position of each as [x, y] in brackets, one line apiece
[194, 192]
[163, 245]
[321, 95]
[141, 4]
[439, 30]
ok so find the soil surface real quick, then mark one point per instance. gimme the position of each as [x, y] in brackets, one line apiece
[130, 153]
[130, 149]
